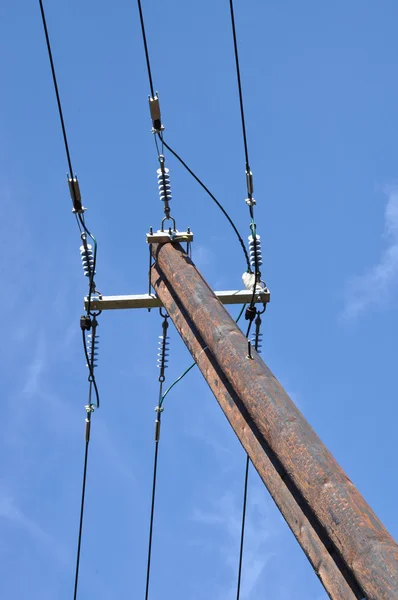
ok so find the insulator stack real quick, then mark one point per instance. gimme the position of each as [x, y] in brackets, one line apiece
[163, 352]
[255, 245]
[87, 256]
[92, 348]
[257, 341]
[164, 186]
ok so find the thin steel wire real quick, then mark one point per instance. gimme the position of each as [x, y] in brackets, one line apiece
[79, 543]
[230, 221]
[61, 116]
[148, 62]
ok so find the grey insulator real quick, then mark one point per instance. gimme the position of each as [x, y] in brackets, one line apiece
[164, 184]
[92, 349]
[259, 342]
[87, 256]
[255, 243]
[163, 352]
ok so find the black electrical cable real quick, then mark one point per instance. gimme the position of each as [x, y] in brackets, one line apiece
[230, 221]
[81, 225]
[79, 543]
[245, 487]
[248, 171]
[242, 534]
[61, 116]
[148, 63]
[162, 361]
[155, 470]
[242, 112]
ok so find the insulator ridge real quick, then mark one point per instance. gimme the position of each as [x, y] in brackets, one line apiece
[257, 341]
[163, 352]
[92, 348]
[255, 245]
[87, 257]
[164, 186]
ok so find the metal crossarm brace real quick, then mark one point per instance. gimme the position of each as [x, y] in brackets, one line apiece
[153, 301]
[349, 548]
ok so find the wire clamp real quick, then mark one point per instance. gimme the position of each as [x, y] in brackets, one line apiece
[250, 201]
[250, 313]
[154, 109]
[74, 190]
[159, 409]
[85, 323]
[89, 408]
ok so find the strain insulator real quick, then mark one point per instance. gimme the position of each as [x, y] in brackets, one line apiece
[257, 341]
[92, 348]
[164, 185]
[87, 256]
[163, 352]
[255, 249]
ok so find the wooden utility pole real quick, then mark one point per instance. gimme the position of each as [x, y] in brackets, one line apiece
[348, 547]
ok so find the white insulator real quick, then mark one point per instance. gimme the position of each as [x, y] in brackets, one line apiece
[163, 352]
[164, 184]
[87, 256]
[92, 349]
[255, 244]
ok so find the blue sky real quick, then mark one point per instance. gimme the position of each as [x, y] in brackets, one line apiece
[320, 93]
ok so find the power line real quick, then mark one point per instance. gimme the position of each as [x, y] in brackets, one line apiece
[242, 534]
[88, 322]
[164, 144]
[242, 111]
[61, 116]
[250, 201]
[148, 62]
[162, 364]
[192, 365]
[257, 345]
[230, 221]
[79, 543]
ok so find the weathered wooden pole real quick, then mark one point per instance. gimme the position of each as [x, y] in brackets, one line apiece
[349, 548]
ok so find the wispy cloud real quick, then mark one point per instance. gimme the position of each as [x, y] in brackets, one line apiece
[226, 514]
[10, 511]
[374, 287]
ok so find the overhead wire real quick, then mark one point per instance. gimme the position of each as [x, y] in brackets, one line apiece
[192, 365]
[251, 312]
[246, 478]
[158, 133]
[242, 531]
[61, 116]
[162, 364]
[148, 62]
[200, 182]
[89, 320]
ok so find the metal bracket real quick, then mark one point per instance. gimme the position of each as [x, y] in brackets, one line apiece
[171, 235]
[151, 301]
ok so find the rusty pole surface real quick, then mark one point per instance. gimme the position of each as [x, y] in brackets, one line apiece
[334, 577]
[353, 535]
